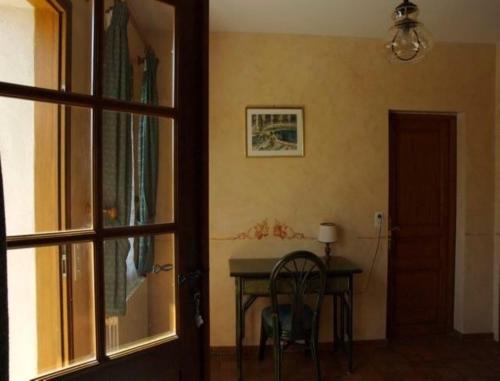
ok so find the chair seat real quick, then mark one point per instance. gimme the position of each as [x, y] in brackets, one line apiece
[285, 318]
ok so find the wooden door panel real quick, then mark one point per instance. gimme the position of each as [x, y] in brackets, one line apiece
[416, 304]
[47, 197]
[419, 205]
[421, 251]
[422, 209]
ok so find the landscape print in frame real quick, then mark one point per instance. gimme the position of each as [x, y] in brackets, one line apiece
[274, 131]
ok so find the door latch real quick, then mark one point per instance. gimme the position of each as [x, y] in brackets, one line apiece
[193, 280]
[198, 319]
[192, 277]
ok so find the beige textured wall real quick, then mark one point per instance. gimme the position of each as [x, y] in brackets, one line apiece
[496, 267]
[17, 38]
[347, 89]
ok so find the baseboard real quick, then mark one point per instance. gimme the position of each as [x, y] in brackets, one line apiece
[252, 350]
[486, 336]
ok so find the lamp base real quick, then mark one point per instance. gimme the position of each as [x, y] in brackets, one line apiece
[328, 250]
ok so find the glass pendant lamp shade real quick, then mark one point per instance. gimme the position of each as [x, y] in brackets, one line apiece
[409, 40]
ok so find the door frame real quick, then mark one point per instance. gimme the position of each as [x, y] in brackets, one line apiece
[452, 196]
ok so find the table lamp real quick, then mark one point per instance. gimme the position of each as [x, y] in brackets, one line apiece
[327, 234]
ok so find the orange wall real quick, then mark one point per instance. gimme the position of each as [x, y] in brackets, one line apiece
[347, 88]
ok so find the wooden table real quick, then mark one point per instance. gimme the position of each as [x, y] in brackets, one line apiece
[252, 280]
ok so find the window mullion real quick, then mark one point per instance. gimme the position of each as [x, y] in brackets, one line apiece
[97, 86]
[34, 240]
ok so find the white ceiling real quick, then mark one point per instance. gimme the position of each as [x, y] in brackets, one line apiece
[152, 16]
[448, 20]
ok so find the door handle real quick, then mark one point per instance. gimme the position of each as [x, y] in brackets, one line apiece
[160, 268]
[395, 229]
[192, 276]
[193, 280]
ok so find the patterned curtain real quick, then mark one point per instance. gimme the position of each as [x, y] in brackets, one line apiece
[117, 158]
[4, 324]
[147, 164]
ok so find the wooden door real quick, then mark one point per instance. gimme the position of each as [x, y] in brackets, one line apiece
[181, 241]
[183, 354]
[48, 52]
[422, 222]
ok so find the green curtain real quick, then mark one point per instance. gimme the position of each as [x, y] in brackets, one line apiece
[147, 164]
[117, 158]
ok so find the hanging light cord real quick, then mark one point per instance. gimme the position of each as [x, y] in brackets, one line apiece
[374, 259]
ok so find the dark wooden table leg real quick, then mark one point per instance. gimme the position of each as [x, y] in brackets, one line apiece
[351, 320]
[335, 324]
[239, 329]
[342, 322]
[245, 306]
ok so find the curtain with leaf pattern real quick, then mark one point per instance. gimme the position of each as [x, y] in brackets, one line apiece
[117, 158]
[147, 164]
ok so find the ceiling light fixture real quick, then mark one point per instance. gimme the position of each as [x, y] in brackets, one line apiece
[409, 40]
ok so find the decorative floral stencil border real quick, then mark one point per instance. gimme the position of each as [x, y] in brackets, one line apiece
[262, 230]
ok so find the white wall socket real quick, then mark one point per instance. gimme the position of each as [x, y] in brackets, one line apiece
[378, 217]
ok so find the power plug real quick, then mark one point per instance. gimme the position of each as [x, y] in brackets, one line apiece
[377, 219]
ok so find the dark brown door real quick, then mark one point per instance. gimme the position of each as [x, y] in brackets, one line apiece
[422, 223]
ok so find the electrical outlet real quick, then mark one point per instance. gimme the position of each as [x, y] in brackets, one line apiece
[378, 218]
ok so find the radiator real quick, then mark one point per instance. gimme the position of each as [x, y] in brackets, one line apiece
[112, 333]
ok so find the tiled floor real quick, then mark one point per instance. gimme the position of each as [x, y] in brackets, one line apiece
[443, 358]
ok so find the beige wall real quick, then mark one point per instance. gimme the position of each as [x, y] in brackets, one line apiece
[496, 267]
[18, 67]
[134, 326]
[347, 88]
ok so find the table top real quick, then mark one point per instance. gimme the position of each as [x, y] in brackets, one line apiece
[262, 267]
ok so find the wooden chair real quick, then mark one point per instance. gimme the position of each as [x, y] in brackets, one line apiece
[296, 276]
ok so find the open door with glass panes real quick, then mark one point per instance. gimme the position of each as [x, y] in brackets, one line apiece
[103, 137]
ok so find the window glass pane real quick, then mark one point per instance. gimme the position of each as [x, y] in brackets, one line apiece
[137, 169]
[140, 290]
[39, 36]
[46, 161]
[139, 51]
[51, 308]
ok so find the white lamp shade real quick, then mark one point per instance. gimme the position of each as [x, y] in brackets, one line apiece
[327, 232]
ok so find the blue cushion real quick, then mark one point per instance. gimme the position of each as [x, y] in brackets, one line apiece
[285, 317]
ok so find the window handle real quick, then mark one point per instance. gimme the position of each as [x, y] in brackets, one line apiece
[111, 213]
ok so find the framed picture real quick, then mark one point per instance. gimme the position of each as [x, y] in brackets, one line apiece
[273, 131]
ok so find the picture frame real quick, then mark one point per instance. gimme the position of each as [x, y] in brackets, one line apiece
[274, 131]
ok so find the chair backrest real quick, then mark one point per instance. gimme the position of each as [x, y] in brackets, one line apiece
[297, 275]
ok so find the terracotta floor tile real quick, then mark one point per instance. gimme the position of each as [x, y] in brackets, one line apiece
[429, 359]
